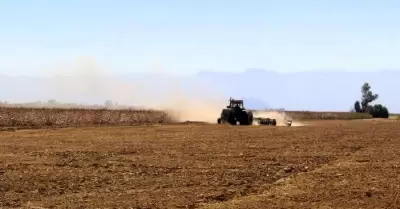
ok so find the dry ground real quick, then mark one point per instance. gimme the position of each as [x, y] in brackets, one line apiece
[332, 164]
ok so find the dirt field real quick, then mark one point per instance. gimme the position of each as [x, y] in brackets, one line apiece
[331, 164]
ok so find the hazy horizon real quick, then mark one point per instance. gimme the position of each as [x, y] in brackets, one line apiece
[313, 91]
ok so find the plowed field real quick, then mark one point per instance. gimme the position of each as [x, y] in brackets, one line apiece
[329, 164]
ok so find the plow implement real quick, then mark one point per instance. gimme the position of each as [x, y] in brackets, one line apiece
[266, 121]
[271, 122]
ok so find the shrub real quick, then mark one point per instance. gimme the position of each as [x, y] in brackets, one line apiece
[378, 111]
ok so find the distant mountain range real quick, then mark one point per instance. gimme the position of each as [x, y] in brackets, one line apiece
[319, 90]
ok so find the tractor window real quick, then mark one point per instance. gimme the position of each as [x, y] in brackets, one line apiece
[236, 104]
[239, 105]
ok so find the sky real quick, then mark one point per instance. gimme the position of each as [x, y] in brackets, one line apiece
[184, 37]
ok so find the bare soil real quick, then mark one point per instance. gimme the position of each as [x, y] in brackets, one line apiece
[329, 164]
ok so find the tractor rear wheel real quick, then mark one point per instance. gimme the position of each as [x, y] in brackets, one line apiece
[246, 119]
[228, 117]
[250, 118]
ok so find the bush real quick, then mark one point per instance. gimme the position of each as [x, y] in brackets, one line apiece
[378, 111]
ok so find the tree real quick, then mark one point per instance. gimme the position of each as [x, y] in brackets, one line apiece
[52, 101]
[379, 111]
[108, 104]
[367, 97]
[357, 106]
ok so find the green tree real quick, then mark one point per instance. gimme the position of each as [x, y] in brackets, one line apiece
[357, 106]
[379, 111]
[367, 97]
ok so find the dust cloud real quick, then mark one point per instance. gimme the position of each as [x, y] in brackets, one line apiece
[87, 80]
[280, 116]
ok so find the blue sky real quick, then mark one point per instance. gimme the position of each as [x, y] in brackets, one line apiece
[180, 36]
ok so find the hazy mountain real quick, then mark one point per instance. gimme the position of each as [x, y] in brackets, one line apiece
[322, 90]
[333, 90]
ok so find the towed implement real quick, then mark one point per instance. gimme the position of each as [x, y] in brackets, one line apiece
[266, 121]
[236, 114]
[271, 122]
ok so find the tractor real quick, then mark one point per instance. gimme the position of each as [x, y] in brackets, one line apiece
[236, 114]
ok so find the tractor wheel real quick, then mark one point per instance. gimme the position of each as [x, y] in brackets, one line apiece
[227, 117]
[250, 118]
[247, 119]
[273, 122]
[230, 118]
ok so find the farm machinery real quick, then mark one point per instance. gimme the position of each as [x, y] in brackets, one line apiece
[269, 121]
[236, 114]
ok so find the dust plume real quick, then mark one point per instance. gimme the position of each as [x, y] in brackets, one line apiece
[280, 116]
[183, 98]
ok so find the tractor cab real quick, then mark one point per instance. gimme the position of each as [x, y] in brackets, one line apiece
[236, 103]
